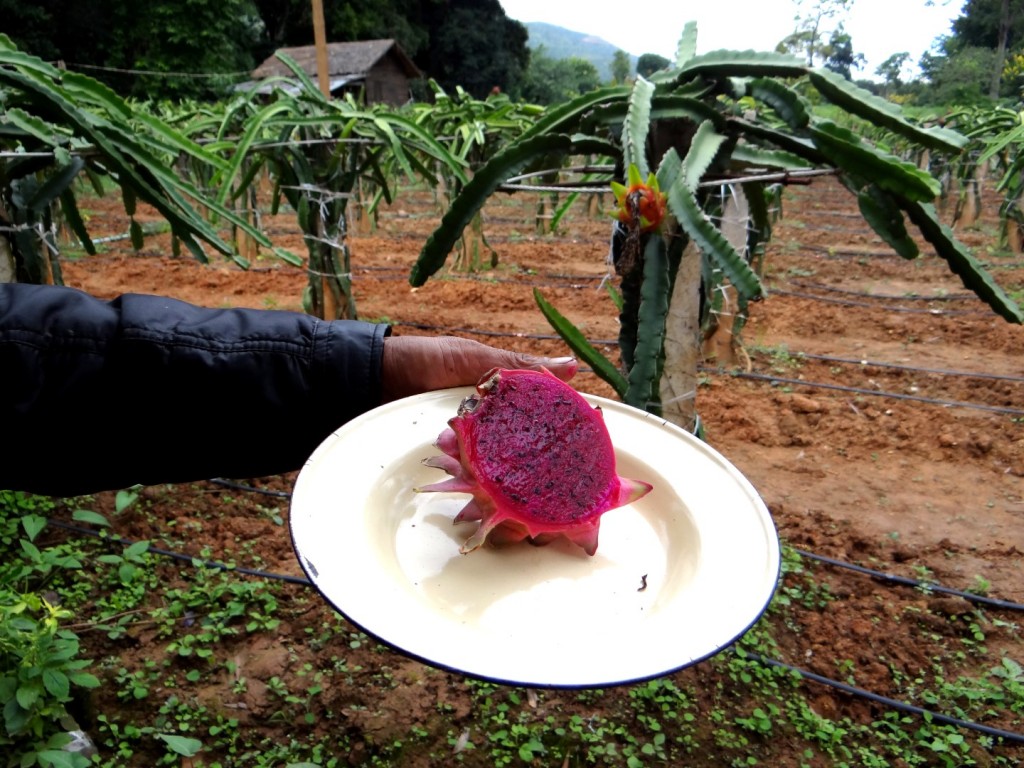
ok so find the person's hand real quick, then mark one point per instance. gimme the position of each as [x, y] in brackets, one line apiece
[415, 364]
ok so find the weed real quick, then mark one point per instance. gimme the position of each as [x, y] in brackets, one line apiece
[760, 720]
[981, 585]
[798, 585]
[799, 272]
[39, 664]
[782, 361]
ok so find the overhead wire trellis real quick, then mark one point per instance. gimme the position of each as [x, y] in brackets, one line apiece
[516, 183]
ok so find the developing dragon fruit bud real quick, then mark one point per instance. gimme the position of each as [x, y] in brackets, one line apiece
[639, 203]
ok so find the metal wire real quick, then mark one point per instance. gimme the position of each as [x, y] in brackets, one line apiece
[780, 177]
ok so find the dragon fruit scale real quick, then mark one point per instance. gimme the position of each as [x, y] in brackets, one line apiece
[536, 458]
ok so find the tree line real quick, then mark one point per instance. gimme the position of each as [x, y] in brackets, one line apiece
[980, 61]
[146, 48]
[175, 49]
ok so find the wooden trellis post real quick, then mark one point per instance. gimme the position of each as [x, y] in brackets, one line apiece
[320, 41]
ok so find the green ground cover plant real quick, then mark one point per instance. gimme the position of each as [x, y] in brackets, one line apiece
[97, 597]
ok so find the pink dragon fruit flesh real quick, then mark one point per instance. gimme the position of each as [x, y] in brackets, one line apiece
[537, 459]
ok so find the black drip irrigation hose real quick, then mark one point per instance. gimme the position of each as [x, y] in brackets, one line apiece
[803, 673]
[249, 488]
[403, 273]
[905, 581]
[911, 368]
[707, 369]
[830, 252]
[875, 393]
[902, 706]
[882, 296]
[870, 305]
[524, 281]
[197, 561]
[879, 574]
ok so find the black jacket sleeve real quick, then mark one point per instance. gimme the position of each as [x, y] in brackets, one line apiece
[101, 395]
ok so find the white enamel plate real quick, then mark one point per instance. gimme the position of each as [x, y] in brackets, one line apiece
[677, 577]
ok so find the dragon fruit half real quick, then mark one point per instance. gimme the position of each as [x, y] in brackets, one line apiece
[537, 459]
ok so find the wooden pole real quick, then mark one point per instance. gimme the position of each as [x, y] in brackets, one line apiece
[320, 40]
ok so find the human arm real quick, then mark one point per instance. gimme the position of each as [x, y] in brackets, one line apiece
[145, 389]
[98, 395]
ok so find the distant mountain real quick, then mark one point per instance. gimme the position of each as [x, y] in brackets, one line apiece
[561, 43]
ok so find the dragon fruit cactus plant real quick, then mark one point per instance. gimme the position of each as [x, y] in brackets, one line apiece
[536, 458]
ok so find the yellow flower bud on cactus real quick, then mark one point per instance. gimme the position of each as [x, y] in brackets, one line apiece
[639, 201]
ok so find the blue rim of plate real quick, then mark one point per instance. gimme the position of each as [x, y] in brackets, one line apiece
[338, 586]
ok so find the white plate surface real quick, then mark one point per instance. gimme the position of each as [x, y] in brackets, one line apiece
[388, 558]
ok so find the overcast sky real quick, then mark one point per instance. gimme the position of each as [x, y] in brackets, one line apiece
[878, 28]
